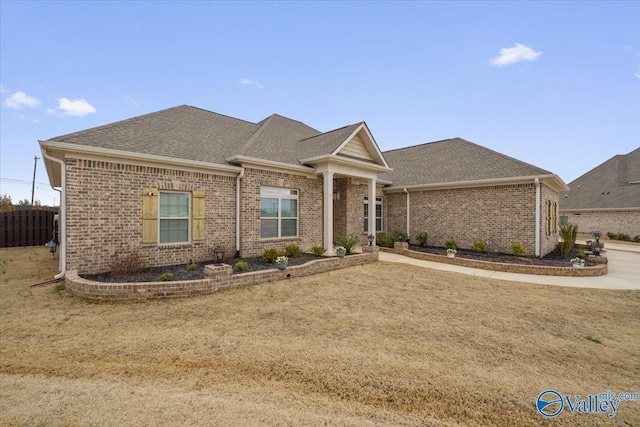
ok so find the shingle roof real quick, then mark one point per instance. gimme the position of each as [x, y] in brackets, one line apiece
[326, 142]
[452, 160]
[614, 184]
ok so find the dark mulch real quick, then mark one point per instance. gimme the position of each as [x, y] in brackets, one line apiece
[180, 271]
[553, 259]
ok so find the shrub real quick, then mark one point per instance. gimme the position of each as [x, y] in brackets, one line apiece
[192, 266]
[241, 266]
[518, 250]
[127, 262]
[292, 251]
[399, 236]
[166, 276]
[451, 243]
[580, 253]
[568, 232]
[270, 255]
[422, 239]
[318, 250]
[383, 239]
[479, 246]
[636, 238]
[624, 236]
[612, 236]
[349, 242]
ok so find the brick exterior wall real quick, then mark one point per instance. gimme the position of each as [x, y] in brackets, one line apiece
[310, 223]
[104, 213]
[348, 211]
[606, 221]
[501, 215]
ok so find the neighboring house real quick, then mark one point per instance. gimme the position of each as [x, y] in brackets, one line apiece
[181, 181]
[607, 198]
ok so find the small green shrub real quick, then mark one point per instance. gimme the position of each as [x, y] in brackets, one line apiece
[568, 232]
[399, 236]
[270, 255]
[384, 240]
[292, 251]
[518, 250]
[612, 236]
[422, 239]
[241, 266]
[164, 277]
[192, 266]
[451, 243]
[580, 253]
[479, 246]
[623, 236]
[349, 242]
[636, 238]
[318, 250]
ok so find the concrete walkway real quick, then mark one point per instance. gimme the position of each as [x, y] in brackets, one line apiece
[624, 270]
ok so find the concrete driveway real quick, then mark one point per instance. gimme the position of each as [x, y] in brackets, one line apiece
[624, 270]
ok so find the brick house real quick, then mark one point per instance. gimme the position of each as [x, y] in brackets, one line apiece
[179, 182]
[607, 198]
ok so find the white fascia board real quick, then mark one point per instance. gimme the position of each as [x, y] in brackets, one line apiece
[129, 157]
[479, 183]
[271, 165]
[372, 141]
[335, 159]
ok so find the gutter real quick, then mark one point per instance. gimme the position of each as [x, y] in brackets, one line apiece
[63, 215]
[408, 211]
[238, 212]
[538, 204]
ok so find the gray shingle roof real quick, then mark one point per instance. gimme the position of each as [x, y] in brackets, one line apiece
[607, 186]
[452, 160]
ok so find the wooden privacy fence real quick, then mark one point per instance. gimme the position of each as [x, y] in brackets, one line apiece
[26, 227]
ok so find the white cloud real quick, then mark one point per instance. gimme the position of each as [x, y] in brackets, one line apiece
[74, 107]
[247, 82]
[518, 53]
[637, 74]
[3, 89]
[20, 100]
[130, 99]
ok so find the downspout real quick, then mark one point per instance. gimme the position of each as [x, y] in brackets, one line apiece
[408, 212]
[63, 215]
[238, 212]
[537, 247]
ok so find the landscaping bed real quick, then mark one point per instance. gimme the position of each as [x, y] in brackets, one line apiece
[553, 259]
[181, 273]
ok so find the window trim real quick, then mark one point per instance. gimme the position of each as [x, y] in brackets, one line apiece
[188, 217]
[366, 216]
[280, 194]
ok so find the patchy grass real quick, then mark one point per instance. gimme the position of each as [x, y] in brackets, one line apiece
[377, 344]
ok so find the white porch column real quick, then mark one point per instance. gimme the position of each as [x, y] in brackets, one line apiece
[372, 208]
[328, 211]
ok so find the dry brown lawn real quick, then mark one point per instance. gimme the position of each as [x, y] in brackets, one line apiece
[382, 344]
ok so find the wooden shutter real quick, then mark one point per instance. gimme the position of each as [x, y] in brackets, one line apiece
[149, 216]
[197, 226]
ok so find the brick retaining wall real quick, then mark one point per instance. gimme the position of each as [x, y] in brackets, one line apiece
[401, 248]
[217, 278]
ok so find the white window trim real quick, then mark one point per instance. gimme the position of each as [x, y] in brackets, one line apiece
[381, 217]
[280, 195]
[188, 218]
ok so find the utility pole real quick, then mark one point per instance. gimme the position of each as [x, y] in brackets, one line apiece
[33, 183]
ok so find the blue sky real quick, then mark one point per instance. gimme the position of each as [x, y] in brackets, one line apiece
[555, 84]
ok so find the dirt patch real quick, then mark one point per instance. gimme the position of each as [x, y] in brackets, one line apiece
[377, 344]
[181, 272]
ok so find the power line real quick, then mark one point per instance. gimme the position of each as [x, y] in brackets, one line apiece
[21, 181]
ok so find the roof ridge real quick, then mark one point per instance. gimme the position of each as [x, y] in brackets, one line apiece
[330, 131]
[261, 128]
[422, 144]
[213, 112]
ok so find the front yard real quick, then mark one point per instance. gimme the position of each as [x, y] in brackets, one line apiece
[381, 343]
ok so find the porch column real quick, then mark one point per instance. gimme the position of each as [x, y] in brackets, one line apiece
[372, 208]
[328, 211]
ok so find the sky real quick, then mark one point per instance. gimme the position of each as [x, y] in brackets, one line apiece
[554, 84]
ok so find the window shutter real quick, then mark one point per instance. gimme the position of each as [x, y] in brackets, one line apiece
[149, 216]
[197, 227]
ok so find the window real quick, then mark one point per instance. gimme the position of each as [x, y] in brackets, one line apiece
[174, 217]
[278, 212]
[378, 214]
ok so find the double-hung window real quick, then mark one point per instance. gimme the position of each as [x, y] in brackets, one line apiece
[378, 214]
[174, 217]
[278, 212]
